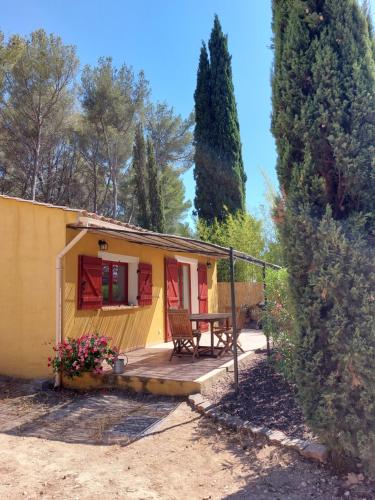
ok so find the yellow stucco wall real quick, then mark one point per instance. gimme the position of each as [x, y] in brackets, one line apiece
[129, 328]
[31, 237]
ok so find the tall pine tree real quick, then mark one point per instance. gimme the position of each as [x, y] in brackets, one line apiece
[219, 171]
[323, 123]
[157, 222]
[140, 178]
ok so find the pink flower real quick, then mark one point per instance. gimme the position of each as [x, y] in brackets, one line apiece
[85, 352]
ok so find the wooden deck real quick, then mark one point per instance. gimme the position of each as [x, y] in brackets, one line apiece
[149, 370]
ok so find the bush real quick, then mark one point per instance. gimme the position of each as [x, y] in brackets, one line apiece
[323, 123]
[84, 354]
[241, 231]
[277, 321]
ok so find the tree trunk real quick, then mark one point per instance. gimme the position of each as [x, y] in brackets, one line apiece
[114, 195]
[36, 166]
[95, 207]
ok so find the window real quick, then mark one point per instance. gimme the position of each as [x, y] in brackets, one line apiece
[184, 286]
[114, 282]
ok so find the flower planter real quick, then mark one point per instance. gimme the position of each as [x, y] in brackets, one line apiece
[87, 353]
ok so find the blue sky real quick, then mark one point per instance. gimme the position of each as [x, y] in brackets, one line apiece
[163, 38]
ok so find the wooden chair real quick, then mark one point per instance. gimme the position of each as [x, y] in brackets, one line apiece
[183, 336]
[225, 336]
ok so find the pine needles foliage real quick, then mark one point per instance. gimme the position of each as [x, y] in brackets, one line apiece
[157, 221]
[140, 178]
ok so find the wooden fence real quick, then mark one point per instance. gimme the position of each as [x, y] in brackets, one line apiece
[248, 294]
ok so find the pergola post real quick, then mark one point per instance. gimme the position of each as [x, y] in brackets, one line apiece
[265, 300]
[234, 325]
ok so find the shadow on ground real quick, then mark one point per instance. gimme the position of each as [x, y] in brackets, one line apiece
[102, 417]
[271, 472]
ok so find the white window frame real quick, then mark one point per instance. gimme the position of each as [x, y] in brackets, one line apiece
[132, 272]
[193, 281]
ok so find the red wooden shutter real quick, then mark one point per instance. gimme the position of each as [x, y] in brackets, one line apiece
[202, 293]
[172, 295]
[144, 284]
[89, 289]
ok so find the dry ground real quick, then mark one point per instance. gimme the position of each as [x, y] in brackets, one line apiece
[183, 457]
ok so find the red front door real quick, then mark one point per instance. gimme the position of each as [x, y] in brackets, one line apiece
[202, 293]
[178, 290]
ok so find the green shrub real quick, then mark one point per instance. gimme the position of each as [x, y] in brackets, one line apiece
[241, 231]
[323, 123]
[277, 321]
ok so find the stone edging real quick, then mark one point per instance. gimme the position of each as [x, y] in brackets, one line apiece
[308, 449]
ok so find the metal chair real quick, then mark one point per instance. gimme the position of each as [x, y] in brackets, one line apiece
[184, 338]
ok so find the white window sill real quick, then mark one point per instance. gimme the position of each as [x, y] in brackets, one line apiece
[118, 308]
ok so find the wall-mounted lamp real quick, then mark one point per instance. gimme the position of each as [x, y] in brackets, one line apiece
[103, 245]
[209, 265]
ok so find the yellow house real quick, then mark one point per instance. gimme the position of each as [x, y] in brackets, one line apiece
[66, 272]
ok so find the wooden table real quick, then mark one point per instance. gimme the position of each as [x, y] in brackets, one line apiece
[212, 318]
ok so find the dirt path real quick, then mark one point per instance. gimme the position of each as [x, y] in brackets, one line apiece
[184, 457]
[66, 445]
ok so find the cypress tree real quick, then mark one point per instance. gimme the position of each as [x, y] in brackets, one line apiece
[219, 169]
[204, 170]
[140, 178]
[323, 123]
[157, 222]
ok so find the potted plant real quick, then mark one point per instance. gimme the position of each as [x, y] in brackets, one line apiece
[83, 354]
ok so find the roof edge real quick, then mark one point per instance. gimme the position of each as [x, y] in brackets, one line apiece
[82, 213]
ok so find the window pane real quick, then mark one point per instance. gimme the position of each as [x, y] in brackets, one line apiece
[186, 287]
[105, 283]
[180, 287]
[118, 283]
